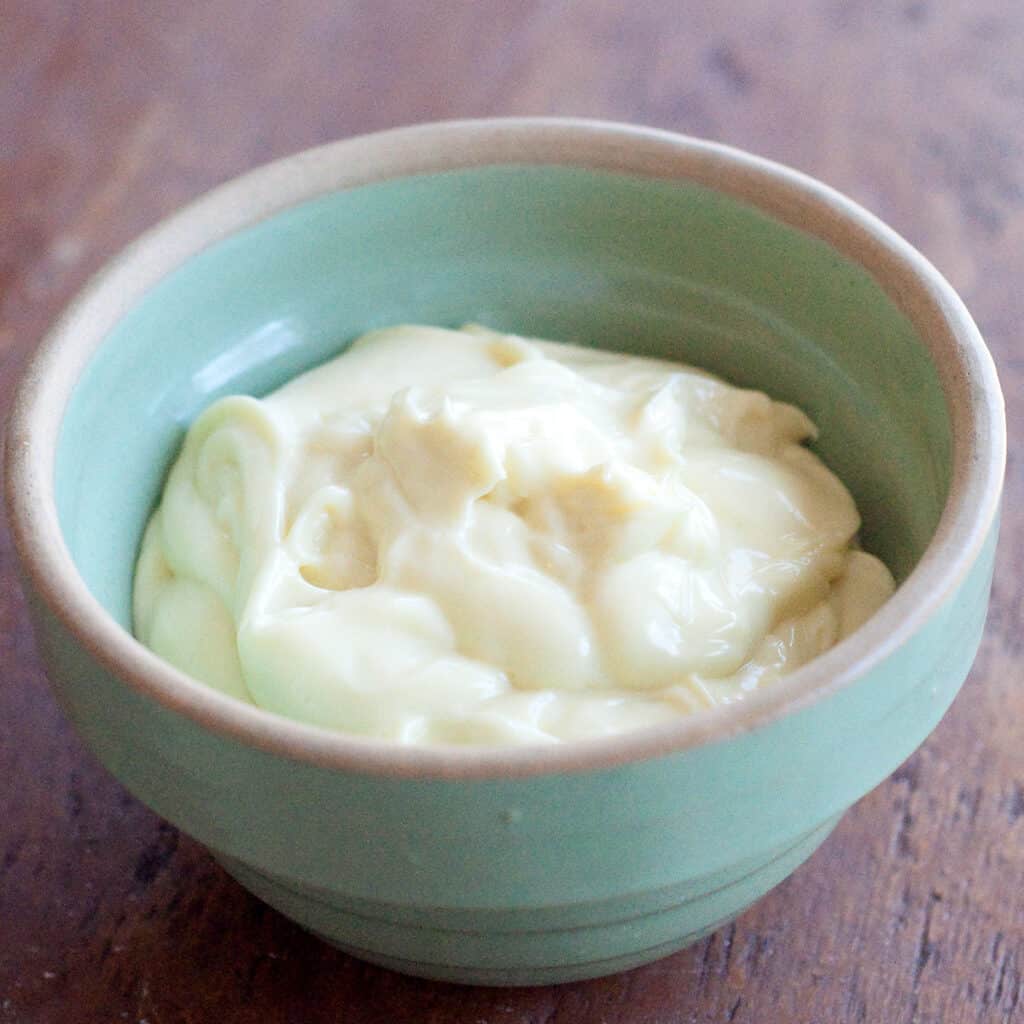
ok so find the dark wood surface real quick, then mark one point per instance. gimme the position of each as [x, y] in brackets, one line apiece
[113, 114]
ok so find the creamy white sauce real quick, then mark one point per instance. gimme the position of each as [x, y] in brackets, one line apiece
[474, 538]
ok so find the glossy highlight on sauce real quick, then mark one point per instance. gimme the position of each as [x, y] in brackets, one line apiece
[465, 537]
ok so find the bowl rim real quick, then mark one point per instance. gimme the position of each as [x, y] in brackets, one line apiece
[965, 367]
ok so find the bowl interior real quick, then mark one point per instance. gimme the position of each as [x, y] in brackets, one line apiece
[634, 264]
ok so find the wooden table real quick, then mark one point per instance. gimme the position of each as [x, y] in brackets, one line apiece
[112, 115]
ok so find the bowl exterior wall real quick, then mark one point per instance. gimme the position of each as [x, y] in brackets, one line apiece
[532, 879]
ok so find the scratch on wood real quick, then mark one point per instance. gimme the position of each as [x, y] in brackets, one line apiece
[1018, 989]
[909, 773]
[705, 963]
[856, 1007]
[549, 1014]
[1001, 977]
[969, 801]
[916, 12]
[902, 914]
[728, 937]
[248, 984]
[722, 60]
[756, 947]
[1007, 986]
[88, 919]
[11, 855]
[156, 856]
[75, 801]
[903, 847]
[175, 901]
[926, 950]
[1015, 807]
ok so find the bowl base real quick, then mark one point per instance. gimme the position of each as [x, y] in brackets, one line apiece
[446, 945]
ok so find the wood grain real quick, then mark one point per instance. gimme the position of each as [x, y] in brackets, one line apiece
[114, 114]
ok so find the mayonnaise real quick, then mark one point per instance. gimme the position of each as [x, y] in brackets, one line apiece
[464, 537]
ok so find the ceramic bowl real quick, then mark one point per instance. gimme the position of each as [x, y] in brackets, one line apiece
[543, 864]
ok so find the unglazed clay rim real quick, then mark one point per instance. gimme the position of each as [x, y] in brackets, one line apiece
[966, 371]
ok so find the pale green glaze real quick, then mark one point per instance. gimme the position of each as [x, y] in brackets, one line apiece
[554, 876]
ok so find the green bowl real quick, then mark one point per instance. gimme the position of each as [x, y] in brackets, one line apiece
[538, 864]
